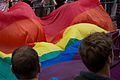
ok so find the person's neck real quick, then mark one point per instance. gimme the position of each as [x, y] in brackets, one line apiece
[105, 72]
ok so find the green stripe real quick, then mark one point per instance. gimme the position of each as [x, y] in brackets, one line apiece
[71, 41]
[50, 55]
[54, 54]
[5, 71]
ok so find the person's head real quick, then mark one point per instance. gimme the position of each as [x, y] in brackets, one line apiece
[25, 63]
[96, 51]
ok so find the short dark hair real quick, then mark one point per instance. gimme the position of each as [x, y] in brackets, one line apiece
[95, 49]
[25, 63]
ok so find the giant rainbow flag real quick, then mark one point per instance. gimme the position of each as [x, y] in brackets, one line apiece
[55, 37]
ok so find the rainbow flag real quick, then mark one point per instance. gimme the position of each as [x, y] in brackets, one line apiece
[55, 37]
[49, 53]
[23, 27]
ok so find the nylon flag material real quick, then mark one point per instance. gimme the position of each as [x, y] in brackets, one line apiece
[24, 28]
[19, 26]
[68, 70]
[55, 37]
[81, 11]
[49, 53]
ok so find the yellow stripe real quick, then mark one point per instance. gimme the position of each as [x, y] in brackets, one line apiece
[78, 31]
[3, 55]
[44, 48]
[41, 48]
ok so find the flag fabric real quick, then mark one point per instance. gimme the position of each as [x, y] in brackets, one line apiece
[49, 53]
[81, 11]
[55, 37]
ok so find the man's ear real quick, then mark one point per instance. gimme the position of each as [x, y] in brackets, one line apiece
[11, 68]
[39, 68]
[111, 58]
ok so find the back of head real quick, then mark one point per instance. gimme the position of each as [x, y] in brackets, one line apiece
[95, 49]
[25, 63]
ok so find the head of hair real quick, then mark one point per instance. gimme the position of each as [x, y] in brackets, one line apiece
[95, 50]
[25, 63]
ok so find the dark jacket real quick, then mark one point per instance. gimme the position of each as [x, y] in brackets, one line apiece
[90, 76]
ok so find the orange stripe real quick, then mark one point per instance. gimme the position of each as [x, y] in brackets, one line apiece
[23, 32]
[96, 16]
